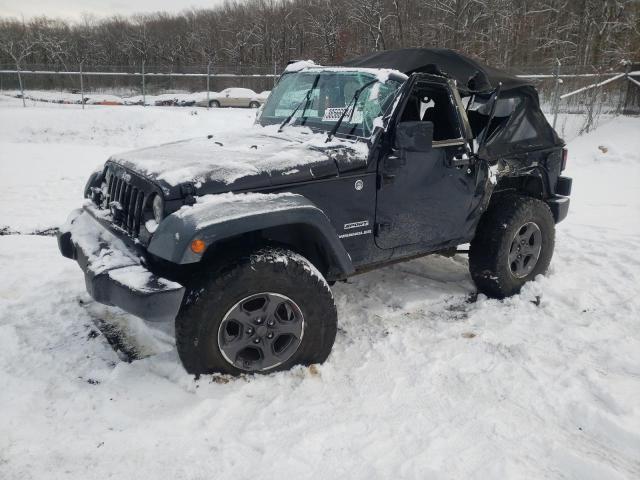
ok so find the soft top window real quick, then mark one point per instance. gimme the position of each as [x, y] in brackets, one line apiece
[480, 110]
[504, 106]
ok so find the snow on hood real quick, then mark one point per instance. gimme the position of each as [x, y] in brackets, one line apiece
[227, 157]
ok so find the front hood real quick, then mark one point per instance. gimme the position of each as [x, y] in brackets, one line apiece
[256, 158]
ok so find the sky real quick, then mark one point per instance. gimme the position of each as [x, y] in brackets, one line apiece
[74, 9]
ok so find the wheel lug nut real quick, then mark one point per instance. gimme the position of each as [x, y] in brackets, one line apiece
[257, 340]
[270, 335]
[271, 323]
[250, 331]
[259, 321]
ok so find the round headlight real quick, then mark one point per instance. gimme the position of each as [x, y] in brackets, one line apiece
[158, 208]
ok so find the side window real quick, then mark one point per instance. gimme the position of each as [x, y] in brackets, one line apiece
[437, 107]
[432, 103]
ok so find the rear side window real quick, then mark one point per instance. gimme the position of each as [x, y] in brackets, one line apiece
[480, 110]
[504, 106]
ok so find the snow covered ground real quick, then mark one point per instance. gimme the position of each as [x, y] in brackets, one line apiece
[49, 150]
[425, 381]
[33, 97]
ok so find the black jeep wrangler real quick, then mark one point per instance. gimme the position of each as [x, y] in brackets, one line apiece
[399, 154]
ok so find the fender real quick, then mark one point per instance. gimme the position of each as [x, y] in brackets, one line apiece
[95, 179]
[218, 217]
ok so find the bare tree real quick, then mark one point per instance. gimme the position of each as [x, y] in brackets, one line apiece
[53, 36]
[17, 41]
[264, 32]
[372, 15]
[323, 22]
[136, 40]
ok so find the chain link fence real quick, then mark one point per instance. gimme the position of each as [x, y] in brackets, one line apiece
[576, 98]
[138, 80]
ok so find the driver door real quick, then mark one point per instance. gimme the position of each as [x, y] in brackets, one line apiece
[429, 198]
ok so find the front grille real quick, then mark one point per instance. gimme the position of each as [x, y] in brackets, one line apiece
[124, 199]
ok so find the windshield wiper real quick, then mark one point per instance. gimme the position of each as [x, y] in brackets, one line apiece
[304, 102]
[353, 100]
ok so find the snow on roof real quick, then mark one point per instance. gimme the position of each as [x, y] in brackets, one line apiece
[382, 74]
[299, 65]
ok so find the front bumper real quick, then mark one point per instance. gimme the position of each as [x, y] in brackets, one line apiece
[113, 271]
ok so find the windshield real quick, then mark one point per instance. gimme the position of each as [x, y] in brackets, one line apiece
[331, 93]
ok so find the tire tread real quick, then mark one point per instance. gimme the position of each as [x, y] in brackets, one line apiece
[190, 322]
[487, 248]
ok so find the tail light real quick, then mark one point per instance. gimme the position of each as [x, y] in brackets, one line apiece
[565, 155]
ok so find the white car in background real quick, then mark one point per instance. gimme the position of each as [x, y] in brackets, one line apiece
[233, 97]
[262, 96]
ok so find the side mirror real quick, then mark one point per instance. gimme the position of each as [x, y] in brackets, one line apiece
[414, 136]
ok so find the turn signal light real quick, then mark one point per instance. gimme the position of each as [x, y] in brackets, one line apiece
[198, 246]
[565, 156]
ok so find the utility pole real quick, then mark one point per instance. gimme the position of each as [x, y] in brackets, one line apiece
[24, 102]
[81, 85]
[144, 95]
[275, 72]
[208, 82]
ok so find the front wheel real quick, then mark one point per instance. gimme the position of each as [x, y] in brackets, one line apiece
[264, 312]
[254, 105]
[514, 242]
[214, 104]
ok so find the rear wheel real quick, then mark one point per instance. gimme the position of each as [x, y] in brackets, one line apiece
[261, 313]
[514, 242]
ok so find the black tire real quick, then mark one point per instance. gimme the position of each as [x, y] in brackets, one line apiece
[285, 273]
[214, 104]
[254, 105]
[495, 243]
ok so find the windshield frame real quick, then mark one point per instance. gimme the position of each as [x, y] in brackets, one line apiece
[347, 129]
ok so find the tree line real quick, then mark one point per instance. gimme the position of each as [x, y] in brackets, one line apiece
[266, 32]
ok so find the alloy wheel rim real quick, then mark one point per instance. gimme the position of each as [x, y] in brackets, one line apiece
[261, 331]
[525, 249]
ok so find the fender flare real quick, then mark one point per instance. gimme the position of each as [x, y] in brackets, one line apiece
[229, 215]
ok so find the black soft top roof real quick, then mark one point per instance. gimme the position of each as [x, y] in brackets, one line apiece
[472, 76]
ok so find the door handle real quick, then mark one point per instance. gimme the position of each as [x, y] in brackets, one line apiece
[384, 179]
[387, 178]
[393, 162]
